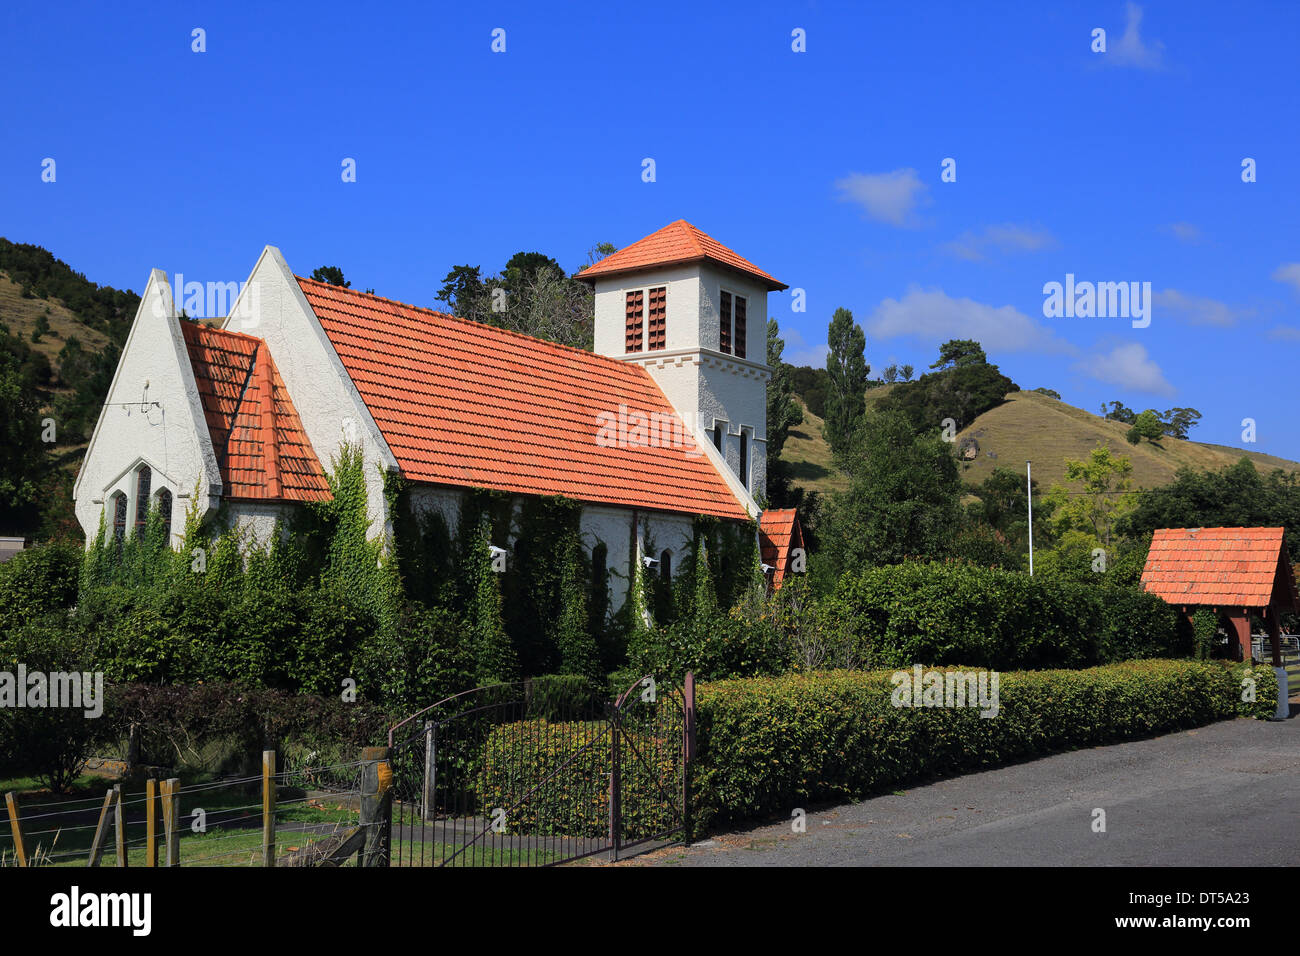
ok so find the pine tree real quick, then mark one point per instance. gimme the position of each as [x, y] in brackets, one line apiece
[847, 368]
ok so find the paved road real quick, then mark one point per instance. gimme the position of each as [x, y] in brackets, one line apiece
[1226, 794]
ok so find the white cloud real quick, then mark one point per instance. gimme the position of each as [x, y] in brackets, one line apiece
[934, 317]
[1129, 367]
[1131, 49]
[1285, 333]
[1288, 272]
[884, 197]
[1008, 237]
[1184, 232]
[1200, 311]
[798, 351]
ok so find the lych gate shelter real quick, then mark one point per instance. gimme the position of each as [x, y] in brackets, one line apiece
[1235, 572]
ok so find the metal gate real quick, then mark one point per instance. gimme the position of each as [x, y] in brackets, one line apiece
[541, 772]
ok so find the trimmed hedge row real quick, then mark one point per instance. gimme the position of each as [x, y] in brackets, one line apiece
[769, 745]
[1006, 620]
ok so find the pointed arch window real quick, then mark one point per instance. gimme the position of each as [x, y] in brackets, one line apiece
[666, 565]
[143, 479]
[165, 509]
[119, 517]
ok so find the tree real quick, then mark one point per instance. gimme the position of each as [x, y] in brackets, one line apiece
[783, 412]
[1102, 500]
[958, 353]
[333, 275]
[462, 287]
[1179, 421]
[1049, 392]
[891, 374]
[1118, 412]
[902, 501]
[1236, 496]
[1148, 426]
[847, 369]
[906, 372]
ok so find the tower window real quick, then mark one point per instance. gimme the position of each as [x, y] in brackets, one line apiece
[143, 479]
[739, 336]
[717, 437]
[635, 327]
[724, 324]
[658, 318]
[744, 459]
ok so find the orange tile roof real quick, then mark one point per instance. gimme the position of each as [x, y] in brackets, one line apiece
[675, 243]
[466, 404]
[261, 448]
[1219, 567]
[778, 532]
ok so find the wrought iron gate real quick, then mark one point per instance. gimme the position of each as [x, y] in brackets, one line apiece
[541, 772]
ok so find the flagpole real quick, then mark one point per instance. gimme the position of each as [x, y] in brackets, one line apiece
[1029, 494]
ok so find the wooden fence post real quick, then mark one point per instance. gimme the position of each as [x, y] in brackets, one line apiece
[101, 830]
[119, 825]
[16, 828]
[151, 822]
[268, 808]
[376, 806]
[171, 812]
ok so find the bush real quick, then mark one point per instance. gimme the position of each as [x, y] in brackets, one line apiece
[963, 614]
[37, 581]
[768, 745]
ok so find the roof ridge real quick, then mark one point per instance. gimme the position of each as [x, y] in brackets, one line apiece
[471, 323]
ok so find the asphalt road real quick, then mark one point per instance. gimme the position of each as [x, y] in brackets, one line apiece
[1223, 795]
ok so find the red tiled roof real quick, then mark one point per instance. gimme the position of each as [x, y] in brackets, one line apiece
[778, 532]
[466, 404]
[675, 243]
[1219, 567]
[261, 448]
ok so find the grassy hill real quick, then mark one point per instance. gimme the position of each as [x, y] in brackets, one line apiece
[1032, 426]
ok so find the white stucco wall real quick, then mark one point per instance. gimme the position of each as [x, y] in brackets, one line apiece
[704, 385]
[152, 416]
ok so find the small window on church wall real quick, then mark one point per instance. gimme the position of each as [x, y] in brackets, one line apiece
[666, 565]
[739, 337]
[744, 459]
[724, 324]
[657, 327]
[119, 517]
[165, 510]
[717, 437]
[635, 315]
[143, 478]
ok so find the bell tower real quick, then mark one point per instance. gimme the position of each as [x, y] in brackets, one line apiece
[693, 313]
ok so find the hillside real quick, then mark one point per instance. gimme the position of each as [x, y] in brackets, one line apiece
[1032, 426]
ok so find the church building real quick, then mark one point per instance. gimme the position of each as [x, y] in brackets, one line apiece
[663, 422]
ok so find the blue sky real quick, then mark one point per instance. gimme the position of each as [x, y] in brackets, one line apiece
[822, 167]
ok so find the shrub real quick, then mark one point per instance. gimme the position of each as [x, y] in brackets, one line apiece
[37, 581]
[768, 745]
[1006, 620]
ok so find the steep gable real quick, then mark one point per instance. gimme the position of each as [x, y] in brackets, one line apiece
[261, 449]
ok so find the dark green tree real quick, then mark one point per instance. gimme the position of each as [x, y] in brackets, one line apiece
[958, 353]
[1148, 426]
[902, 501]
[333, 275]
[847, 370]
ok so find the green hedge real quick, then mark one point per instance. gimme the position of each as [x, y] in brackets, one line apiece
[959, 613]
[768, 745]
[519, 757]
